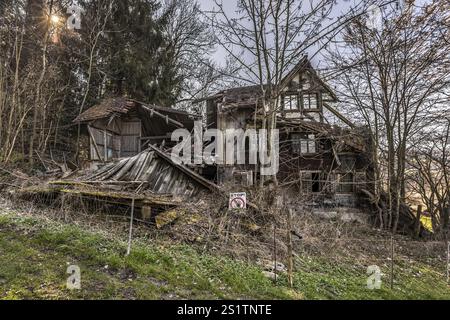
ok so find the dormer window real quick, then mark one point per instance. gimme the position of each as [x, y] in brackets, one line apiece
[310, 101]
[290, 102]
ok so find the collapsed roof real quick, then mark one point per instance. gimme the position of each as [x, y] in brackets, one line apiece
[170, 119]
[154, 171]
[342, 136]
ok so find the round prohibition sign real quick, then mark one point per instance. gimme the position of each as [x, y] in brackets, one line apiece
[237, 202]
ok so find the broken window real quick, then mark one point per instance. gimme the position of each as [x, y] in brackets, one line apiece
[303, 143]
[290, 102]
[310, 101]
[315, 187]
[346, 183]
[312, 182]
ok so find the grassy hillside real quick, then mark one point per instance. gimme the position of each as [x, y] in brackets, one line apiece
[35, 253]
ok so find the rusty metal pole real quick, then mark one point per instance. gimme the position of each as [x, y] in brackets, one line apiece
[290, 263]
[130, 234]
[448, 262]
[392, 262]
[275, 253]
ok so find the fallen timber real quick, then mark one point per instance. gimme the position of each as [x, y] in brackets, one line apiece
[111, 197]
[151, 180]
[151, 170]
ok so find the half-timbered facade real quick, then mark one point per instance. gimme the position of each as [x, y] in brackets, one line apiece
[318, 160]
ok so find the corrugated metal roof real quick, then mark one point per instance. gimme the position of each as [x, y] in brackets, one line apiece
[157, 171]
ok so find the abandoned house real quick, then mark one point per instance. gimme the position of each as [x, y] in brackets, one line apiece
[121, 127]
[318, 161]
[324, 161]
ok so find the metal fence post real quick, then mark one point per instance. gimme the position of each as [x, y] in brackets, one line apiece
[392, 262]
[448, 261]
[290, 262]
[131, 227]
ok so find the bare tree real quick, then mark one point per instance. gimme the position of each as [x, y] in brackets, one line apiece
[393, 78]
[191, 42]
[100, 12]
[266, 39]
[429, 175]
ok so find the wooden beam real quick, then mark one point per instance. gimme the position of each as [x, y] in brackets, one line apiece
[339, 115]
[165, 117]
[95, 144]
[204, 182]
[167, 136]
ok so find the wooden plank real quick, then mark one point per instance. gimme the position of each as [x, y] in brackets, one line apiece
[204, 182]
[165, 117]
[167, 136]
[95, 144]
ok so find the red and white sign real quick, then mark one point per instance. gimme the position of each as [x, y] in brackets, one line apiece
[238, 200]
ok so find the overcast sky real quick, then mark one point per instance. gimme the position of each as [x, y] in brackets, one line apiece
[340, 9]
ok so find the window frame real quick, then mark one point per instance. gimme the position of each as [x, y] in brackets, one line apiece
[304, 140]
[310, 179]
[306, 97]
[290, 96]
[343, 184]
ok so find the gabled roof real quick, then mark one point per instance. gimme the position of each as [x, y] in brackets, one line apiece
[106, 108]
[248, 95]
[305, 64]
[156, 120]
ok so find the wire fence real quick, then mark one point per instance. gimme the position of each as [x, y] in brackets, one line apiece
[335, 264]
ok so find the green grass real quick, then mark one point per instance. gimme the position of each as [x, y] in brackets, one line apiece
[34, 260]
[35, 253]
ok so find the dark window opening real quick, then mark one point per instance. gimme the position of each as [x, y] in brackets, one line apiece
[311, 182]
[315, 182]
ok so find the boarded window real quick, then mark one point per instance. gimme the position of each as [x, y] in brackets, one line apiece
[303, 143]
